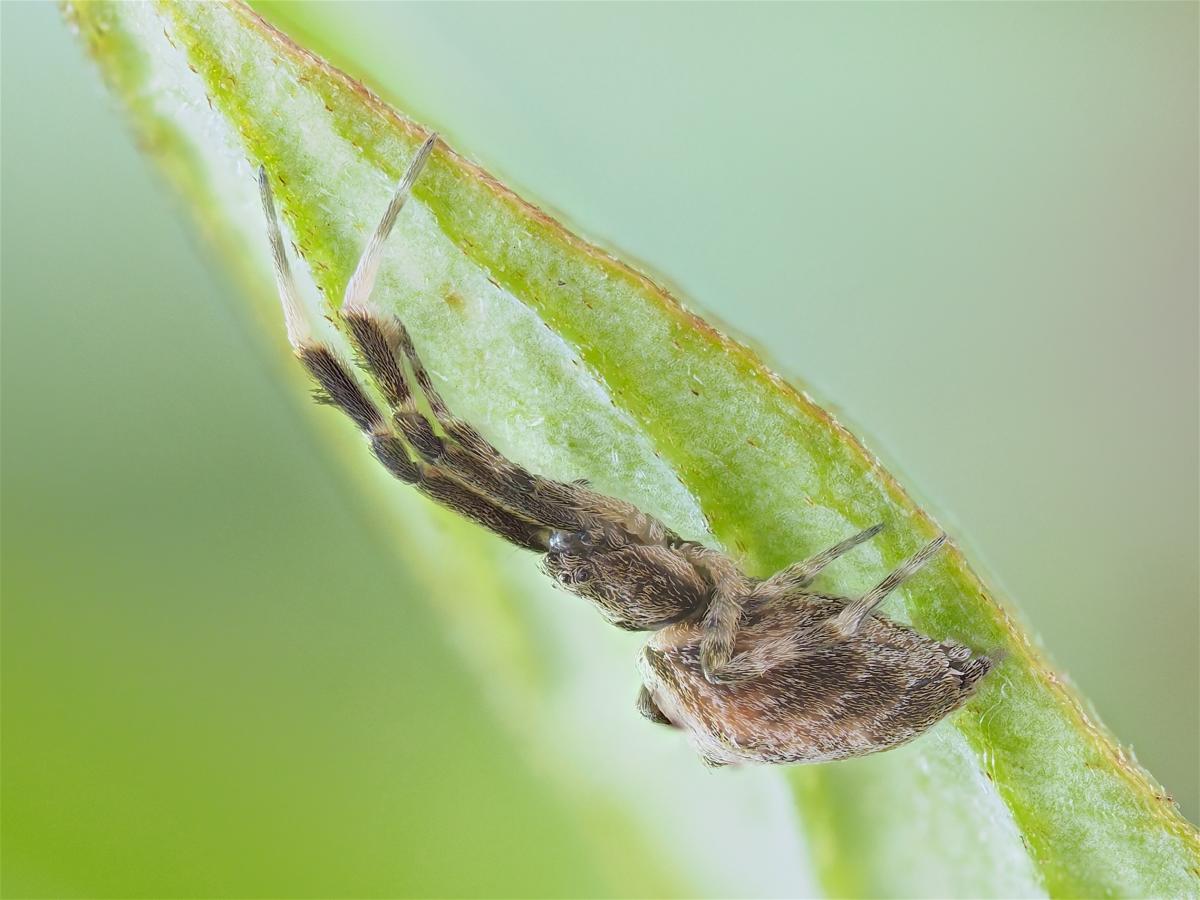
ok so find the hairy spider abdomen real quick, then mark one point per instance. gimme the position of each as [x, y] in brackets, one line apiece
[826, 700]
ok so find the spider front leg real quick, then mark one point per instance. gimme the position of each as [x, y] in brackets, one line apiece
[381, 340]
[571, 507]
[385, 346]
[338, 387]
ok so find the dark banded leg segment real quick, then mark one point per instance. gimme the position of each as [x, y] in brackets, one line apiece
[338, 387]
[384, 345]
[575, 496]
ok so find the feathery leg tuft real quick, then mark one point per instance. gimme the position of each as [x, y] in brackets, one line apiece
[851, 618]
[802, 574]
[358, 289]
[298, 327]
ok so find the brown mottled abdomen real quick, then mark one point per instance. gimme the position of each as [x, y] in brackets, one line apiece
[832, 699]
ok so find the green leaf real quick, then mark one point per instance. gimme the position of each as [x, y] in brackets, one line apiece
[579, 366]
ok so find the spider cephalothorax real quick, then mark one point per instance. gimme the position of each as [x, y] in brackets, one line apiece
[755, 670]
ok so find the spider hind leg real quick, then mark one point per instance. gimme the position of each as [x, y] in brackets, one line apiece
[850, 619]
[800, 575]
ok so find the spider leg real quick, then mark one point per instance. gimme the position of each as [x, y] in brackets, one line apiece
[380, 340]
[648, 708]
[720, 632]
[338, 387]
[850, 619]
[802, 574]
[717, 659]
[358, 288]
[729, 590]
[385, 345]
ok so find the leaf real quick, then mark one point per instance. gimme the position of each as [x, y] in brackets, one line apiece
[578, 365]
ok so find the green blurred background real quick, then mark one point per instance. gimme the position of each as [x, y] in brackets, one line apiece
[216, 678]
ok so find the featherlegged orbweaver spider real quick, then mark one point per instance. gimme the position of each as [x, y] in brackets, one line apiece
[754, 670]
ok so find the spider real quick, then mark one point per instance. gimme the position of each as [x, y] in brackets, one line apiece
[753, 670]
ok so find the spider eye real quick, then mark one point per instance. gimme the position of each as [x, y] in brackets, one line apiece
[578, 576]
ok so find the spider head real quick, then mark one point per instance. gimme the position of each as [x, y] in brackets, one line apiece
[635, 587]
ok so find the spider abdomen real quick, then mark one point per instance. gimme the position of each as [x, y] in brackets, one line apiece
[826, 700]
